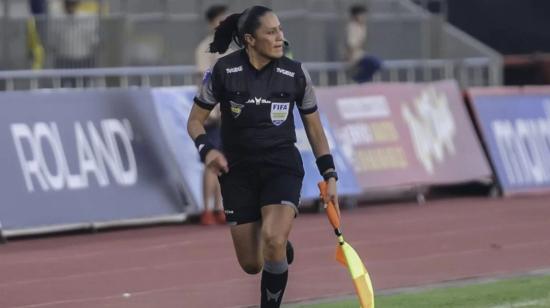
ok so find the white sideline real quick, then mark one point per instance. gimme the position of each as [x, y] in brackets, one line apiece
[523, 303]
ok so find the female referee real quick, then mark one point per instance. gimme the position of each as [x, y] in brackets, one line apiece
[260, 170]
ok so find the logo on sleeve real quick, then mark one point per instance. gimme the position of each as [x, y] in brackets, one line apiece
[236, 109]
[206, 76]
[279, 112]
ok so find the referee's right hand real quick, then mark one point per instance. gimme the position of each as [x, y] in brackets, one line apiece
[216, 161]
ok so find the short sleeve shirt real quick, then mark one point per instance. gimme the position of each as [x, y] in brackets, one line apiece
[257, 105]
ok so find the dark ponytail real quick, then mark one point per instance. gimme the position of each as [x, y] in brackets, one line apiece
[225, 33]
[234, 27]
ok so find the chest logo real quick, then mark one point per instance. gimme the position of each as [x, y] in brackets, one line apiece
[285, 72]
[233, 70]
[236, 109]
[279, 112]
[258, 101]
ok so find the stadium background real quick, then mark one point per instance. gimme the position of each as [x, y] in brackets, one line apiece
[456, 121]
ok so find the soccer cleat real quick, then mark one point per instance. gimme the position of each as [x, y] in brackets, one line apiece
[289, 252]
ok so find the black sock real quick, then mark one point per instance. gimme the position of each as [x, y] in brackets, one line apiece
[274, 277]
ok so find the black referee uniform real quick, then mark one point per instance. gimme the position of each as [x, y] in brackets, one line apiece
[257, 131]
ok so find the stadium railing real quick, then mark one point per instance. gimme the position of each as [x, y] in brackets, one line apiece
[468, 72]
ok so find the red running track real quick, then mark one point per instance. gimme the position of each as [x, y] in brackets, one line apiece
[194, 266]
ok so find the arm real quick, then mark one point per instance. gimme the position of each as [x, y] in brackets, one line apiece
[212, 157]
[319, 144]
[356, 37]
[205, 101]
[316, 134]
[195, 124]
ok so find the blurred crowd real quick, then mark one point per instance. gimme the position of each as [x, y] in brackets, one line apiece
[70, 36]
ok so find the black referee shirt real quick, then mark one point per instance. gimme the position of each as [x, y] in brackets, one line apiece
[256, 105]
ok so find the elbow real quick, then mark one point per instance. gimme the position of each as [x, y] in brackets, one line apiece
[190, 126]
[194, 128]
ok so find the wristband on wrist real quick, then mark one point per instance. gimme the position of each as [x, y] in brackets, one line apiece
[330, 174]
[324, 163]
[203, 145]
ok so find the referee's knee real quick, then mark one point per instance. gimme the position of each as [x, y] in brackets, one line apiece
[274, 244]
[251, 268]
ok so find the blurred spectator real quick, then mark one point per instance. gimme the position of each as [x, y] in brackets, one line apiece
[75, 40]
[38, 7]
[36, 28]
[204, 60]
[213, 209]
[287, 50]
[34, 44]
[363, 66]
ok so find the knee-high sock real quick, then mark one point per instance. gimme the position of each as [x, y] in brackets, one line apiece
[274, 278]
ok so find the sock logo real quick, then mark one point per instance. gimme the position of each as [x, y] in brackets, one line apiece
[272, 296]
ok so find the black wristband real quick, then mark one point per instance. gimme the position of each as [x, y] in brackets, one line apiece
[330, 174]
[203, 145]
[324, 163]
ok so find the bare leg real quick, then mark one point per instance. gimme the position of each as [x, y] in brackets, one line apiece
[210, 189]
[218, 196]
[276, 224]
[246, 240]
[218, 206]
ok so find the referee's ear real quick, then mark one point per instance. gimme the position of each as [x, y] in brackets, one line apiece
[249, 39]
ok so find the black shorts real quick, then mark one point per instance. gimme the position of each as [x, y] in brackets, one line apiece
[254, 181]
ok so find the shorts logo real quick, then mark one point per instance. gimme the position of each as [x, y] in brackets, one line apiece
[279, 112]
[232, 70]
[236, 109]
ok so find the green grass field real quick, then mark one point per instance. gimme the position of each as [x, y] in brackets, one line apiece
[519, 292]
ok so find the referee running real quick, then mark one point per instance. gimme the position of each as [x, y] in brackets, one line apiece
[260, 170]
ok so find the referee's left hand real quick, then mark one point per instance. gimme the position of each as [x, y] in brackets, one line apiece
[333, 194]
[217, 162]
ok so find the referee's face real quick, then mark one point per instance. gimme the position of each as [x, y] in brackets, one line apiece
[269, 38]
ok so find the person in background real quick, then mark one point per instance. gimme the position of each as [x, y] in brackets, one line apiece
[204, 60]
[287, 51]
[75, 40]
[35, 32]
[363, 66]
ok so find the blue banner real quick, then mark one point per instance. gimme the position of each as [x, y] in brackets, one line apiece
[516, 132]
[77, 157]
[347, 182]
[173, 106]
